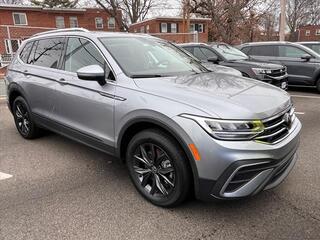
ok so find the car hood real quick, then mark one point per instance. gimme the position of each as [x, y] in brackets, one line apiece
[255, 64]
[221, 69]
[220, 95]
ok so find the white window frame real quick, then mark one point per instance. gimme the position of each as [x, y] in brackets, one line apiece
[96, 21]
[20, 13]
[318, 32]
[60, 18]
[308, 32]
[200, 24]
[112, 26]
[175, 28]
[164, 28]
[148, 28]
[71, 19]
[8, 44]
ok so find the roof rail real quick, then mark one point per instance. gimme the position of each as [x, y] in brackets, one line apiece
[63, 30]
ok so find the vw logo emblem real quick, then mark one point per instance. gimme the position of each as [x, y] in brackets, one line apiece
[287, 119]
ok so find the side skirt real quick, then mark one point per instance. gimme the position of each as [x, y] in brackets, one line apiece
[73, 134]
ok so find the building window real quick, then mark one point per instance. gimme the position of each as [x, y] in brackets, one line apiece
[192, 28]
[200, 28]
[164, 27]
[99, 23]
[73, 22]
[307, 32]
[142, 29]
[112, 23]
[148, 28]
[173, 27]
[12, 45]
[318, 32]
[60, 22]
[20, 19]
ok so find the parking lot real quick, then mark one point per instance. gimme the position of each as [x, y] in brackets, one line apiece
[54, 188]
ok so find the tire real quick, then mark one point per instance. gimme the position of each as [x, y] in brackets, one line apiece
[318, 85]
[158, 168]
[23, 119]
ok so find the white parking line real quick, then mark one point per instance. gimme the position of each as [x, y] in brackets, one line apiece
[305, 96]
[4, 176]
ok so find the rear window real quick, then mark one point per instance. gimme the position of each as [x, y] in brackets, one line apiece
[263, 50]
[24, 55]
[48, 52]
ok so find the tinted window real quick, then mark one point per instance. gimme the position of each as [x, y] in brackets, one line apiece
[263, 51]
[81, 53]
[48, 52]
[208, 53]
[246, 50]
[314, 47]
[24, 55]
[291, 52]
[199, 54]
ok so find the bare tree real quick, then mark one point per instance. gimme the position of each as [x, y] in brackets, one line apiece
[231, 18]
[132, 10]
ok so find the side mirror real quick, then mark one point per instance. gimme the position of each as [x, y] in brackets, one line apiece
[214, 60]
[306, 57]
[91, 73]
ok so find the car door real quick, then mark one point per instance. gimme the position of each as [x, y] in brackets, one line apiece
[300, 70]
[85, 109]
[41, 73]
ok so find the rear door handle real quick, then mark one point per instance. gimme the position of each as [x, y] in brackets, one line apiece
[62, 81]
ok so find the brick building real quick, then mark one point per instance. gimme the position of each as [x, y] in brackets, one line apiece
[18, 22]
[171, 28]
[309, 33]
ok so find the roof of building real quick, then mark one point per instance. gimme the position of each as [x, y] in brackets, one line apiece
[170, 18]
[39, 8]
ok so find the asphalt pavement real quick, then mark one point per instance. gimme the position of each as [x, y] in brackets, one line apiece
[54, 188]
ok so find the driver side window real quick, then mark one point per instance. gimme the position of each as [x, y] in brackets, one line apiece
[291, 52]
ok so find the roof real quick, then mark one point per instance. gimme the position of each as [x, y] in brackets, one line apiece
[267, 43]
[170, 18]
[309, 42]
[86, 33]
[39, 8]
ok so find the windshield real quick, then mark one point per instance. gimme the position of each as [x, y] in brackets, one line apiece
[230, 53]
[148, 57]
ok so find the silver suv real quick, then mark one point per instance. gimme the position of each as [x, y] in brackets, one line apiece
[178, 127]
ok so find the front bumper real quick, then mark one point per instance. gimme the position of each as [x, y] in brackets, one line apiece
[281, 81]
[237, 169]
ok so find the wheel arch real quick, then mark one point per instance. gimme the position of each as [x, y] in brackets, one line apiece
[139, 124]
[14, 91]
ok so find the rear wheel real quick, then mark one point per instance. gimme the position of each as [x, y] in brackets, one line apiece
[158, 168]
[23, 120]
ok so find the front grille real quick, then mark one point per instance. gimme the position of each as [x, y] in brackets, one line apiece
[278, 72]
[277, 127]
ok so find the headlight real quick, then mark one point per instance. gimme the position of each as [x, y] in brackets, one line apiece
[259, 71]
[228, 129]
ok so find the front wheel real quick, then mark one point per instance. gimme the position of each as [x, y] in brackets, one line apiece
[158, 168]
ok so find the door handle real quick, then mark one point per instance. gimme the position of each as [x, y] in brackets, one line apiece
[62, 81]
[25, 71]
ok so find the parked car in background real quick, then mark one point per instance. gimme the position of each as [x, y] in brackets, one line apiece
[213, 67]
[177, 126]
[315, 46]
[303, 64]
[226, 55]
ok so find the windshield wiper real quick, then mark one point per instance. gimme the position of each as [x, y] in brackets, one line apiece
[146, 75]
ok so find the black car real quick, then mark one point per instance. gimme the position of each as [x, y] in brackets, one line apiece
[315, 46]
[226, 55]
[303, 63]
